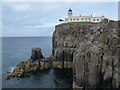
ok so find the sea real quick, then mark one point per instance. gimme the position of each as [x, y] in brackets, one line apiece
[17, 49]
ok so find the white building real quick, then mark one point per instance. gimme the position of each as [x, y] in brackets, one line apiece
[80, 18]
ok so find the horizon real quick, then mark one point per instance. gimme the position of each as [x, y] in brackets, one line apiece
[24, 36]
[30, 19]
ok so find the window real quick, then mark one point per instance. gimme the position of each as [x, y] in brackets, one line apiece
[78, 19]
[74, 19]
[93, 19]
[97, 19]
[82, 19]
[89, 19]
[85, 19]
[71, 19]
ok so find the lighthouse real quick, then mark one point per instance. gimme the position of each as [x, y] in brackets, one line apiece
[69, 12]
[93, 19]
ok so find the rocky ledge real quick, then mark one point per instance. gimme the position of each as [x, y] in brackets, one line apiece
[35, 64]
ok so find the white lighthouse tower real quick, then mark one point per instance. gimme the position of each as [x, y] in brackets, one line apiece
[69, 12]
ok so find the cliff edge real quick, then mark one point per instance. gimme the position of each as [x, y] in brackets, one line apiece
[94, 51]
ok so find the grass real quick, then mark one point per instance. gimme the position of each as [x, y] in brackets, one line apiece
[101, 38]
[93, 43]
[82, 23]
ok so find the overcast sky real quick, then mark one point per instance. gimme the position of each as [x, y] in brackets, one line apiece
[39, 19]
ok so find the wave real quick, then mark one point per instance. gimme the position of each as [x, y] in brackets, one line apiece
[11, 69]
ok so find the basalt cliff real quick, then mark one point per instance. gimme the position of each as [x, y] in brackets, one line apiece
[94, 50]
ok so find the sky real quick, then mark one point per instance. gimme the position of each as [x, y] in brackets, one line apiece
[34, 19]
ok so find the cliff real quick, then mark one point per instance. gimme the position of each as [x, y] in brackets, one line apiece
[94, 50]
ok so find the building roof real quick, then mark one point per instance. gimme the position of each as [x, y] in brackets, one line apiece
[70, 9]
[86, 16]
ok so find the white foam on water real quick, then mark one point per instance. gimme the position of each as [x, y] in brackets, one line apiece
[11, 69]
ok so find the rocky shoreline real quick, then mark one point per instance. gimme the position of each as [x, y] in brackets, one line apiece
[37, 63]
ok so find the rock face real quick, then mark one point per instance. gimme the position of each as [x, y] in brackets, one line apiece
[94, 50]
[36, 54]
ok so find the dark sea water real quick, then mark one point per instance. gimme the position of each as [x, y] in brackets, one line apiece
[16, 49]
